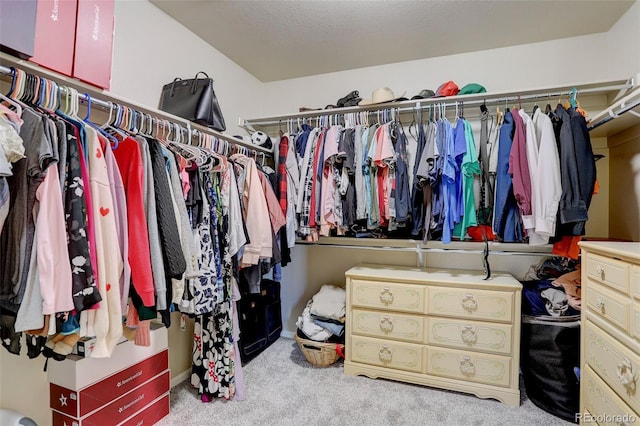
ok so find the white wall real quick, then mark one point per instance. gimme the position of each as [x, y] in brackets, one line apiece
[531, 66]
[605, 56]
[623, 42]
[151, 49]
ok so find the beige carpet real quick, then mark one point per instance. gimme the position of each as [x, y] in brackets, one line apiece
[284, 389]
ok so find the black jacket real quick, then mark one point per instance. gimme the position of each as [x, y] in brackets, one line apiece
[578, 171]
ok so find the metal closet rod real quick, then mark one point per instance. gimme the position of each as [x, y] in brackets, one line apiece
[191, 128]
[451, 101]
[623, 108]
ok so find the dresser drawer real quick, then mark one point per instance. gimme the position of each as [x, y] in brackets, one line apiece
[616, 364]
[602, 404]
[388, 325]
[387, 353]
[388, 295]
[614, 273]
[469, 366]
[609, 305]
[471, 303]
[635, 322]
[635, 281]
[480, 336]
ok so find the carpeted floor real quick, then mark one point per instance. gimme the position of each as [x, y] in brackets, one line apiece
[284, 389]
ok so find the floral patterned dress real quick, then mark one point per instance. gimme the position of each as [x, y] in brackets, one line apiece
[213, 365]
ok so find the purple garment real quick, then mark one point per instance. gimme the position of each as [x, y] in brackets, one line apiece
[519, 167]
[449, 172]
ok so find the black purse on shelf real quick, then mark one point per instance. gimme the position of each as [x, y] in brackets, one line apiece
[194, 100]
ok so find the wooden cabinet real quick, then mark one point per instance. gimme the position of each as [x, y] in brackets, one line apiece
[444, 328]
[610, 348]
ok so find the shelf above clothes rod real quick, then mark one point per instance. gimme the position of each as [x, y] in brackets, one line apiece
[604, 87]
[104, 100]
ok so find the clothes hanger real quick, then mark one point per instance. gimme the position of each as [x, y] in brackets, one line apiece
[10, 101]
[45, 95]
[24, 88]
[150, 126]
[186, 151]
[17, 87]
[54, 96]
[573, 98]
[87, 119]
[483, 107]
[144, 128]
[114, 121]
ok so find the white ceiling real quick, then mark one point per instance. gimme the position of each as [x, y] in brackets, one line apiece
[277, 40]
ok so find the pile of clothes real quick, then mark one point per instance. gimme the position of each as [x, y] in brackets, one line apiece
[323, 318]
[553, 288]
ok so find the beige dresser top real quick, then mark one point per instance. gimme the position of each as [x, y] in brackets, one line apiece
[623, 250]
[456, 277]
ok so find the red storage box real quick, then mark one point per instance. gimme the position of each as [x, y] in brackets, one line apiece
[94, 42]
[55, 35]
[98, 391]
[122, 408]
[151, 414]
[78, 403]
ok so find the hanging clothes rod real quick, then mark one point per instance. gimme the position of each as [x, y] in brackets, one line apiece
[97, 98]
[623, 105]
[464, 100]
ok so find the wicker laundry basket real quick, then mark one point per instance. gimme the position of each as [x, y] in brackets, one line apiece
[319, 354]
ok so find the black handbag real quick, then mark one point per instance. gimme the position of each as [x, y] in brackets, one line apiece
[194, 100]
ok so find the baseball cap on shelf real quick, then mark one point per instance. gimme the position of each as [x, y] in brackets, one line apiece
[471, 89]
[424, 94]
[447, 89]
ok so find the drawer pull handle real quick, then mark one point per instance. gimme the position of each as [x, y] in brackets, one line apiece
[600, 271]
[386, 296]
[467, 367]
[385, 354]
[600, 305]
[626, 376]
[386, 325]
[468, 335]
[469, 304]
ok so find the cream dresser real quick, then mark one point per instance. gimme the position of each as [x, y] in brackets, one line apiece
[448, 329]
[610, 352]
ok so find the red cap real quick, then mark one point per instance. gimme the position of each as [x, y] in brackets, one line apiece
[447, 89]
